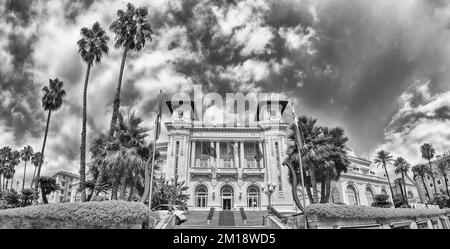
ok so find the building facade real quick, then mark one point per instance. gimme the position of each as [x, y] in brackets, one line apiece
[229, 167]
[441, 182]
[68, 183]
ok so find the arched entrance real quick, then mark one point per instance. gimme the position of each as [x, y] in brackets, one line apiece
[226, 197]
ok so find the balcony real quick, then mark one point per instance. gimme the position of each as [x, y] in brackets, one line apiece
[253, 172]
[226, 172]
[198, 171]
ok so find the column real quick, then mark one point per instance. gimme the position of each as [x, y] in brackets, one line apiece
[235, 153]
[267, 160]
[193, 163]
[218, 161]
[242, 154]
[211, 159]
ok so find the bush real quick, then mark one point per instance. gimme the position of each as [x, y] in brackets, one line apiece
[364, 212]
[381, 201]
[100, 198]
[112, 212]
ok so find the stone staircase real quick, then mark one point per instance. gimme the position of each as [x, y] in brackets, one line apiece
[197, 220]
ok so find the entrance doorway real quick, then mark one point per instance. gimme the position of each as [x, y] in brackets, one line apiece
[226, 195]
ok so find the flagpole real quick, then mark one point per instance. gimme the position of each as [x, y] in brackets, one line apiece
[154, 151]
[298, 134]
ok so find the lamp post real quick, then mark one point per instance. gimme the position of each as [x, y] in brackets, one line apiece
[269, 189]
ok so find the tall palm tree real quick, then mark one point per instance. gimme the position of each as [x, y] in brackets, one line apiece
[132, 30]
[443, 167]
[402, 167]
[26, 155]
[36, 161]
[92, 46]
[420, 170]
[5, 155]
[14, 160]
[384, 158]
[52, 100]
[428, 152]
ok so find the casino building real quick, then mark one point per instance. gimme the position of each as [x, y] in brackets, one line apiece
[229, 167]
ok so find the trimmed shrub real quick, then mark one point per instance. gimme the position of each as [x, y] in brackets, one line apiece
[381, 201]
[110, 212]
[364, 212]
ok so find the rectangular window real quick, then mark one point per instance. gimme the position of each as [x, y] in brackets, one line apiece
[177, 148]
[277, 155]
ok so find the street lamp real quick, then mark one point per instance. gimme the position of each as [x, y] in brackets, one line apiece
[269, 189]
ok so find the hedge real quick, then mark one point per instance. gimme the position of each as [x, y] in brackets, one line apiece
[106, 212]
[364, 212]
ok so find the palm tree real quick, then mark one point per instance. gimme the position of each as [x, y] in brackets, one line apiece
[36, 161]
[13, 162]
[92, 46]
[132, 30]
[428, 152]
[443, 167]
[420, 170]
[5, 155]
[51, 101]
[402, 167]
[47, 185]
[384, 158]
[26, 155]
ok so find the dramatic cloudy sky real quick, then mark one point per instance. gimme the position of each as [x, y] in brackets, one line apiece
[379, 69]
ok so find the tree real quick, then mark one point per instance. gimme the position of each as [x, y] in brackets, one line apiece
[170, 191]
[12, 162]
[47, 185]
[26, 155]
[428, 152]
[381, 201]
[5, 155]
[443, 166]
[52, 100]
[36, 161]
[92, 46]
[132, 30]
[384, 158]
[420, 170]
[402, 168]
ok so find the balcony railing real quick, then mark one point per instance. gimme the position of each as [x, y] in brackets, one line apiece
[200, 171]
[253, 172]
[227, 171]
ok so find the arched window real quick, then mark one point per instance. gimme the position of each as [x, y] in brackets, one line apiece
[351, 195]
[369, 196]
[201, 197]
[253, 200]
[384, 192]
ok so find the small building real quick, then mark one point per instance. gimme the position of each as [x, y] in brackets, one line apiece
[67, 183]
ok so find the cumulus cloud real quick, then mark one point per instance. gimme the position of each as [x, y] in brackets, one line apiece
[347, 63]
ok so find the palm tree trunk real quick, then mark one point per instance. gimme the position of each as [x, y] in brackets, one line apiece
[322, 191]
[98, 182]
[114, 191]
[24, 172]
[44, 196]
[32, 180]
[314, 187]
[83, 137]
[131, 192]
[432, 176]
[404, 187]
[117, 97]
[389, 182]
[1, 182]
[327, 191]
[446, 184]
[123, 184]
[12, 181]
[426, 189]
[36, 185]
[147, 181]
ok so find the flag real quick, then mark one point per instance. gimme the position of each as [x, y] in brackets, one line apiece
[297, 129]
[158, 116]
[258, 154]
[208, 150]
